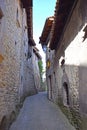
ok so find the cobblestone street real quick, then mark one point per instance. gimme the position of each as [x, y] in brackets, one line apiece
[38, 113]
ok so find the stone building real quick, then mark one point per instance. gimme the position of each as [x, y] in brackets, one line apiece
[36, 57]
[16, 57]
[32, 74]
[66, 74]
[45, 40]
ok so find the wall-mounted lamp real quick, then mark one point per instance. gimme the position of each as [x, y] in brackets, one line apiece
[1, 58]
[44, 47]
[48, 64]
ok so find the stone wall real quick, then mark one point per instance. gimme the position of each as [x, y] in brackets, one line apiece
[16, 79]
[10, 41]
[52, 77]
[30, 81]
[72, 75]
[35, 60]
[74, 39]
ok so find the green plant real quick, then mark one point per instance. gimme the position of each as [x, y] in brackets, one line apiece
[40, 64]
[72, 115]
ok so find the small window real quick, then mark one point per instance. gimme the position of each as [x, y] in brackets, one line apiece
[1, 13]
[29, 55]
[17, 14]
[55, 77]
[17, 18]
[15, 43]
[62, 62]
[25, 54]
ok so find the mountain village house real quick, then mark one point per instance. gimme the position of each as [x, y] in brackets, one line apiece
[18, 58]
[64, 35]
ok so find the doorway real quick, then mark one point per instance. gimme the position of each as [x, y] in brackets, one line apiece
[50, 87]
[65, 94]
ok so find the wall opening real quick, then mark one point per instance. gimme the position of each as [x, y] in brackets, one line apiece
[65, 94]
[50, 87]
[17, 18]
[3, 125]
[12, 117]
[55, 77]
[1, 13]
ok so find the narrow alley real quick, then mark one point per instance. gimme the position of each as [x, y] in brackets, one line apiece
[43, 47]
[38, 113]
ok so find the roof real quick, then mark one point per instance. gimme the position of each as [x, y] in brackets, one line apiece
[27, 4]
[62, 11]
[36, 51]
[46, 30]
[31, 42]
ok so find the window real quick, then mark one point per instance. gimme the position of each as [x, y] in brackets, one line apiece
[25, 54]
[15, 43]
[17, 14]
[55, 77]
[17, 18]
[1, 13]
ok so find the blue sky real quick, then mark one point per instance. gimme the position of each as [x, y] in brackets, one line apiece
[41, 10]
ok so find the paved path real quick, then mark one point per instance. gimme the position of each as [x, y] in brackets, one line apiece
[38, 113]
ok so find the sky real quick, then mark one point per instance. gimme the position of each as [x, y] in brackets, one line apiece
[42, 9]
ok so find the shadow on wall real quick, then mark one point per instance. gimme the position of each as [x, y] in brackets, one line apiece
[65, 94]
[3, 124]
[83, 89]
[74, 92]
[6, 122]
[74, 85]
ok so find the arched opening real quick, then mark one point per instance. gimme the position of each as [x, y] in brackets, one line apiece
[3, 124]
[12, 117]
[65, 94]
